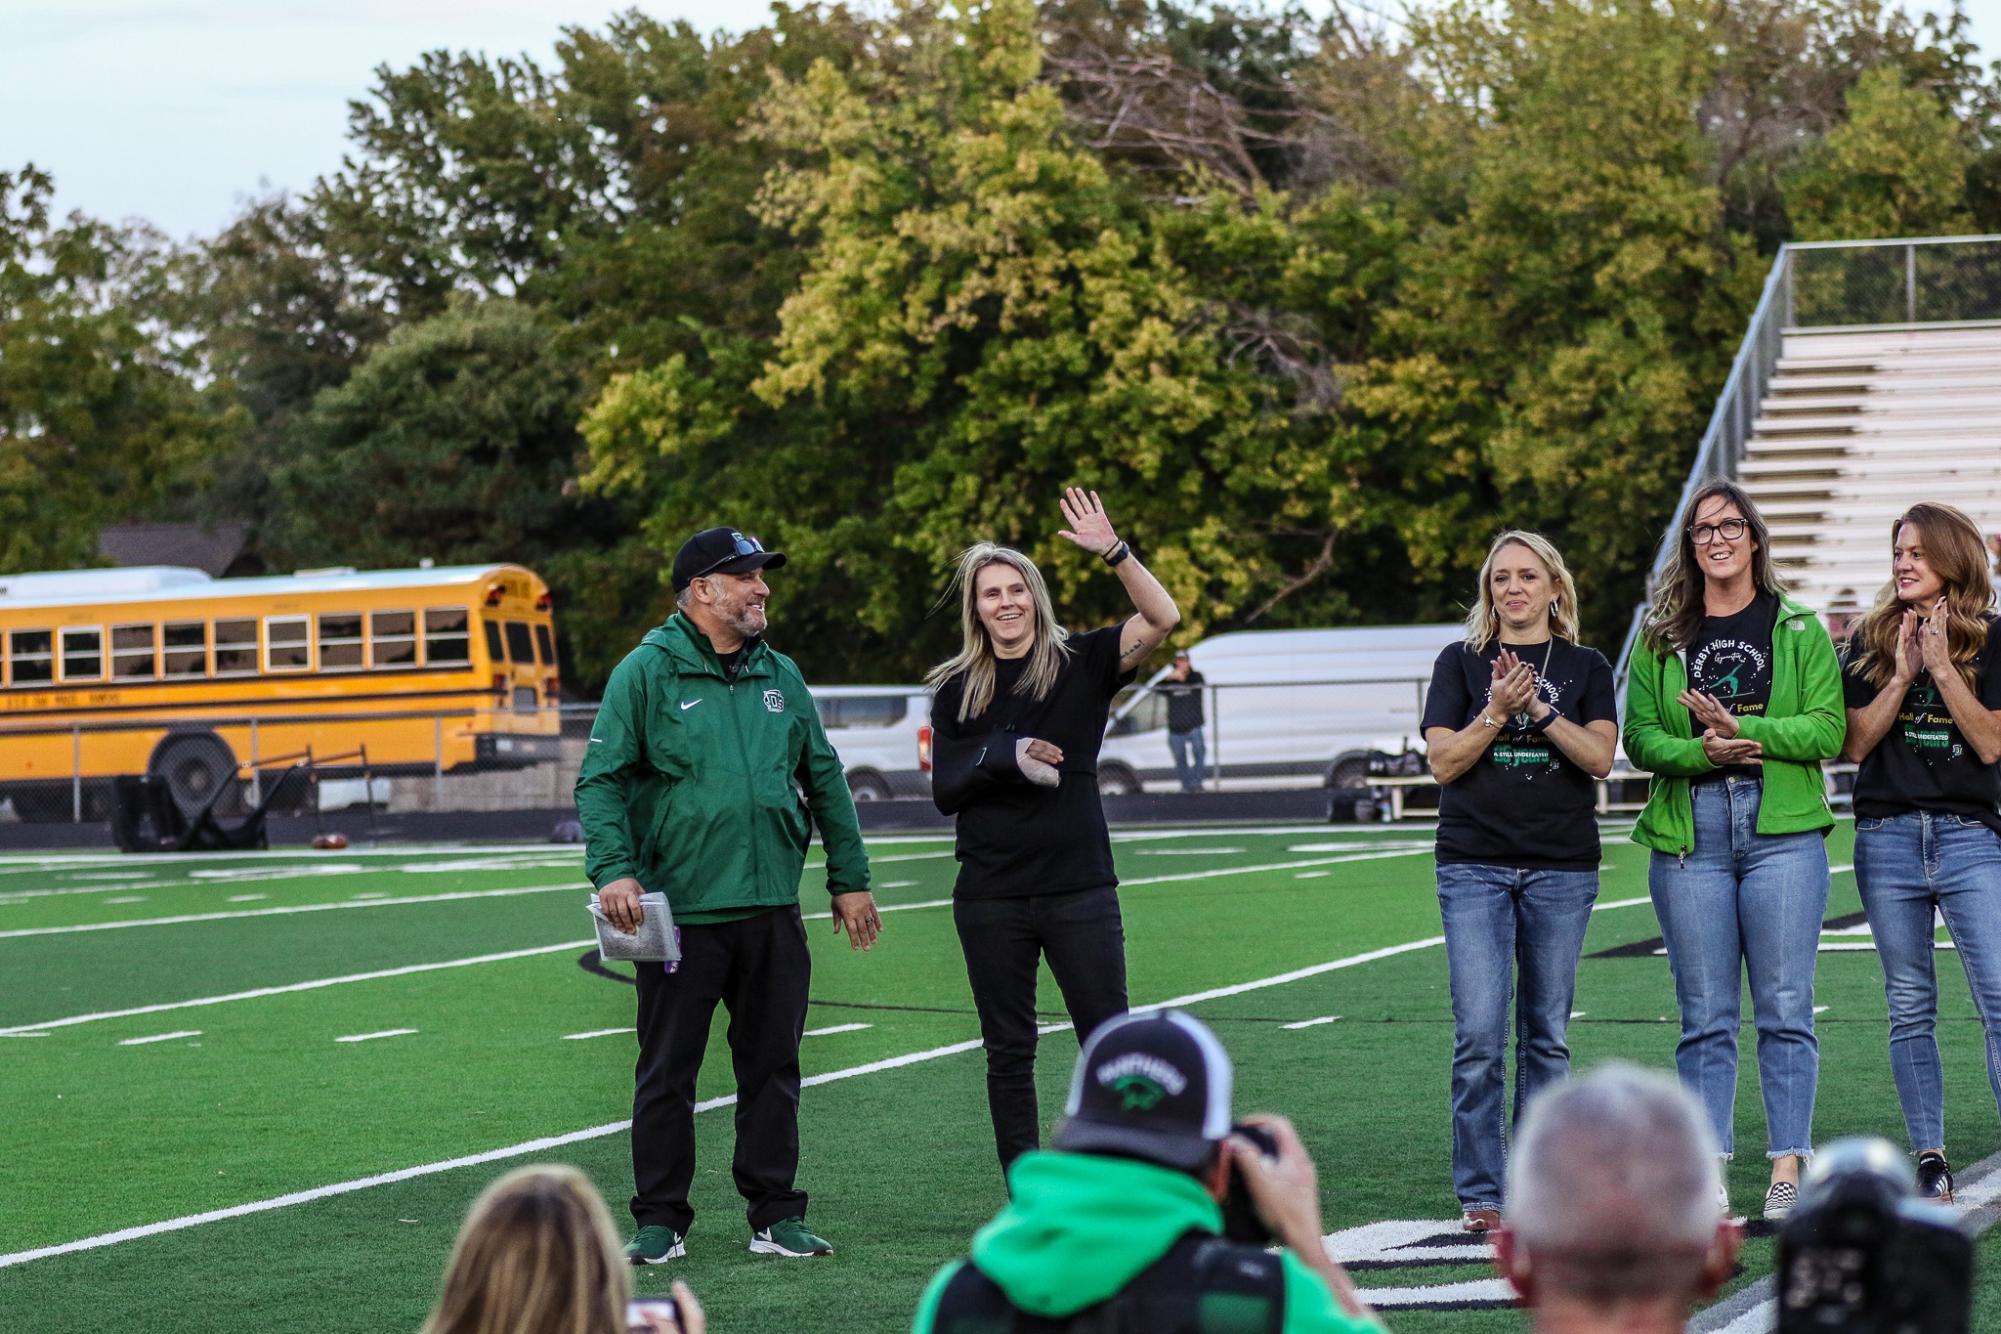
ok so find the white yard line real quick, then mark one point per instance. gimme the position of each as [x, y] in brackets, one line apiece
[571, 886]
[1314, 1023]
[596, 1033]
[370, 1037]
[836, 1028]
[160, 1037]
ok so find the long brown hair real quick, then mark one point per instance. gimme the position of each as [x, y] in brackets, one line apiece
[1953, 547]
[536, 1255]
[975, 658]
[1676, 616]
[1483, 621]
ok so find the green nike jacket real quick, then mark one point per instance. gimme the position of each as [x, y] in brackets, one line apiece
[701, 787]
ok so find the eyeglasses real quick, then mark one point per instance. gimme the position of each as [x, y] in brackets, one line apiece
[745, 546]
[1729, 530]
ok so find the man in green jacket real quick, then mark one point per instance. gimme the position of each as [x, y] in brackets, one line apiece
[705, 761]
[1119, 1228]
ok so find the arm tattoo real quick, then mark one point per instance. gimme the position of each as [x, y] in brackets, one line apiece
[1136, 651]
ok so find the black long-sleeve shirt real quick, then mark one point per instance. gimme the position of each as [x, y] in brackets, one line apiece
[1015, 838]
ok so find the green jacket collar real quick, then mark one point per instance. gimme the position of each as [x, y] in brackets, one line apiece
[694, 654]
[1080, 1226]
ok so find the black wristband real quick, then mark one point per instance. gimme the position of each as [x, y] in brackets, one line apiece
[1537, 729]
[1118, 553]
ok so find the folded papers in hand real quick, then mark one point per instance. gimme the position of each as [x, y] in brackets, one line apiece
[653, 942]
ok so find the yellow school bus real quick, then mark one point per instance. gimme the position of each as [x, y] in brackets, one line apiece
[167, 671]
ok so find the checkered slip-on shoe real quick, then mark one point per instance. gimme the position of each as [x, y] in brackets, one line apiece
[1780, 1199]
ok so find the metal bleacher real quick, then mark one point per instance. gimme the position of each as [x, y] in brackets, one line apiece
[1870, 378]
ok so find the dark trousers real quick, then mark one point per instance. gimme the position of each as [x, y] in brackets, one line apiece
[1084, 940]
[758, 967]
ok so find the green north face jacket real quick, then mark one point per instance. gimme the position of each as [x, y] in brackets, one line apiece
[692, 784]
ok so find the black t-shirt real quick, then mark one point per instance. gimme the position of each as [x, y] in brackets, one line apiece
[1015, 838]
[1731, 659]
[731, 662]
[1184, 702]
[1524, 802]
[1923, 762]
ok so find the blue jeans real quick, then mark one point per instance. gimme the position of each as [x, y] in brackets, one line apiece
[1495, 917]
[1906, 866]
[1745, 901]
[1188, 756]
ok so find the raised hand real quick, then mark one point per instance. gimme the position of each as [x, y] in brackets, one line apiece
[1511, 693]
[1089, 528]
[1708, 711]
[1935, 645]
[1910, 658]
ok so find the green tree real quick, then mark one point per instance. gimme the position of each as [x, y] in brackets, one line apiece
[99, 421]
[1896, 167]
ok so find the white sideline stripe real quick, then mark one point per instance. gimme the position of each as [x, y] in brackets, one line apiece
[370, 1037]
[289, 909]
[544, 1144]
[836, 1028]
[160, 1037]
[258, 993]
[1313, 1023]
[596, 1033]
[1271, 866]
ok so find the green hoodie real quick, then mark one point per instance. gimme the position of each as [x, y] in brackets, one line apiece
[1804, 725]
[691, 782]
[1080, 1226]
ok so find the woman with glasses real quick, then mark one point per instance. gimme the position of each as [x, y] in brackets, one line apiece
[1733, 702]
[1519, 721]
[1924, 722]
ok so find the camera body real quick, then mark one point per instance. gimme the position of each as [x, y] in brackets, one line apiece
[1861, 1254]
[1240, 1216]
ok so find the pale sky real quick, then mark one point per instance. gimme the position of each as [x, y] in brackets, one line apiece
[177, 110]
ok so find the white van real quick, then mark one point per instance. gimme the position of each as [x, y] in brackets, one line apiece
[883, 735]
[1285, 708]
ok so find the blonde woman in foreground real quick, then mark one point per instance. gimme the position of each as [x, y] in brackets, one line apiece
[537, 1254]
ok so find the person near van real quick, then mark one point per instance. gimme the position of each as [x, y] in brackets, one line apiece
[1016, 722]
[706, 764]
[1923, 683]
[1734, 700]
[1182, 688]
[1519, 723]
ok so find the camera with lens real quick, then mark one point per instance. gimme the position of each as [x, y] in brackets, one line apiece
[1862, 1254]
[1240, 1215]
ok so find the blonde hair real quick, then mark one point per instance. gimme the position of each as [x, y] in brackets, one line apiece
[537, 1254]
[1953, 547]
[975, 659]
[1483, 621]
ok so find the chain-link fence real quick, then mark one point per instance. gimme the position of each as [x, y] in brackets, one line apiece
[1946, 280]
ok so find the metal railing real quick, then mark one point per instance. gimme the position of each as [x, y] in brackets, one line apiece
[1932, 280]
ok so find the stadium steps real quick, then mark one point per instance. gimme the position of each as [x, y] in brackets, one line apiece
[1855, 425]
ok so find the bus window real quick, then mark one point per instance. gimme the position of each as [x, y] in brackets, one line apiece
[493, 649]
[519, 646]
[83, 654]
[340, 641]
[187, 648]
[445, 641]
[235, 648]
[288, 643]
[30, 654]
[132, 652]
[392, 639]
[547, 644]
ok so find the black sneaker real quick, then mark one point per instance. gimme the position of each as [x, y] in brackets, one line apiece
[1934, 1177]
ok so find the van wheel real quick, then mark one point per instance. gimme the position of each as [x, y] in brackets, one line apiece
[1115, 780]
[1351, 772]
[865, 785]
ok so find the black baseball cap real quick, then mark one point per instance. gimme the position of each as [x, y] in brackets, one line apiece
[1150, 1086]
[721, 551]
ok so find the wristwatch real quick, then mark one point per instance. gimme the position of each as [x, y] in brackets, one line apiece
[1118, 553]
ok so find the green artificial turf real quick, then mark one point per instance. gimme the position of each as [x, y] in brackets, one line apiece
[899, 1161]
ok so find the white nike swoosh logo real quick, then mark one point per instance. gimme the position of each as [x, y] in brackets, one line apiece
[688, 704]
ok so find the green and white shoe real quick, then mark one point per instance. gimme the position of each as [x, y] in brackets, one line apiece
[789, 1237]
[655, 1245]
